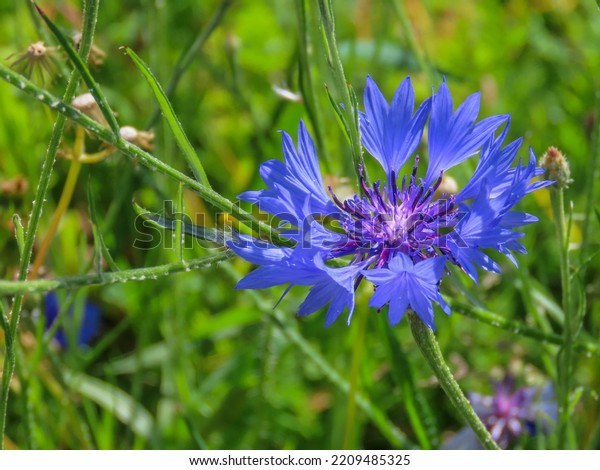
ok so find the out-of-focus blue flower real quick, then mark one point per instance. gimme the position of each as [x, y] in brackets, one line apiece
[90, 321]
[508, 414]
[398, 234]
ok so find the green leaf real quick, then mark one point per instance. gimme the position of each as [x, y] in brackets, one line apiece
[4, 321]
[19, 233]
[167, 110]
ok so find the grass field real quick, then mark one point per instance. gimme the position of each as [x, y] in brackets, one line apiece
[174, 357]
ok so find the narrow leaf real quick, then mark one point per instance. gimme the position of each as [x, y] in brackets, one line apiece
[19, 233]
[167, 110]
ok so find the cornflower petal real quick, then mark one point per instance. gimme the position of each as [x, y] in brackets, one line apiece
[455, 137]
[391, 133]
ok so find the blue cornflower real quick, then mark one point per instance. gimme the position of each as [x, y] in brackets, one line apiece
[508, 414]
[88, 328]
[399, 234]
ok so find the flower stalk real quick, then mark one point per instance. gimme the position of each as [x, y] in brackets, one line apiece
[431, 351]
[564, 360]
[556, 168]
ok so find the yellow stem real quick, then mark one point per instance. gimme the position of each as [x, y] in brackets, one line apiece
[95, 157]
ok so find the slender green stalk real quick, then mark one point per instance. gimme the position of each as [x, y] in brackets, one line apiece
[19, 288]
[357, 353]
[7, 371]
[348, 111]
[564, 360]
[431, 351]
[137, 154]
[305, 78]
[167, 110]
[412, 40]
[179, 216]
[516, 327]
[90, 16]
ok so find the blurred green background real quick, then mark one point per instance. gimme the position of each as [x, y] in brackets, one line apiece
[184, 361]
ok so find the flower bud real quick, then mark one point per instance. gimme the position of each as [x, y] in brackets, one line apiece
[556, 167]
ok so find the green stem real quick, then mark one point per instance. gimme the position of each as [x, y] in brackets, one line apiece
[412, 40]
[516, 327]
[349, 111]
[19, 288]
[90, 16]
[357, 353]
[9, 362]
[306, 82]
[431, 351]
[564, 359]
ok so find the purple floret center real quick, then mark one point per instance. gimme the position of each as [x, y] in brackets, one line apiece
[398, 219]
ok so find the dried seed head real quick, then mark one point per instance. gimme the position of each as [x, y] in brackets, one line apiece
[142, 139]
[37, 49]
[36, 58]
[556, 167]
[88, 106]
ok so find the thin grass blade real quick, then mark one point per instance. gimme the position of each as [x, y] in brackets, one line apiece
[169, 114]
